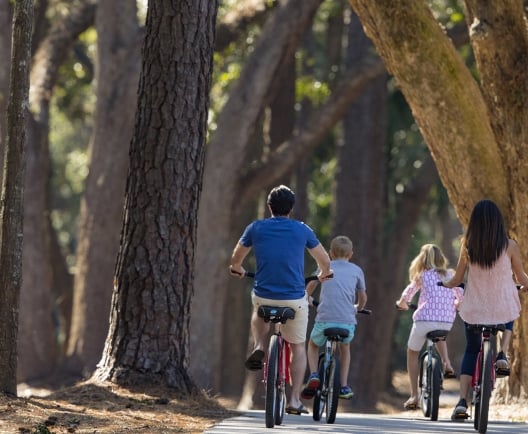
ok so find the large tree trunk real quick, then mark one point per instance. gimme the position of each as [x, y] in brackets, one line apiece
[359, 205]
[102, 205]
[478, 135]
[150, 312]
[12, 203]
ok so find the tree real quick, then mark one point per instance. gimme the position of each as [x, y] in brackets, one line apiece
[149, 322]
[117, 73]
[12, 203]
[477, 131]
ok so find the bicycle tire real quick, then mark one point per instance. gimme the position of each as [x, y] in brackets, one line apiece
[485, 387]
[425, 384]
[436, 382]
[333, 386]
[280, 398]
[272, 373]
[320, 397]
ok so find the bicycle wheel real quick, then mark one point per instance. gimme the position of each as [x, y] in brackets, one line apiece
[485, 387]
[425, 384]
[333, 386]
[280, 397]
[320, 396]
[435, 380]
[272, 372]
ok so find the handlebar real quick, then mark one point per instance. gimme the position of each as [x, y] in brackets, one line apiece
[364, 311]
[251, 274]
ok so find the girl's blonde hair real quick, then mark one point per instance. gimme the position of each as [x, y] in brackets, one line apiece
[429, 258]
[341, 247]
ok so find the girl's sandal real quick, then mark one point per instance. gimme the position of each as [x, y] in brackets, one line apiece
[410, 404]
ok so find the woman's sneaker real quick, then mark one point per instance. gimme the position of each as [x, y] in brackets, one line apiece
[502, 367]
[460, 411]
[346, 392]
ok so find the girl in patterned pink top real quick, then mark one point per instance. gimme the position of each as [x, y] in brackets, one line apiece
[436, 310]
[490, 259]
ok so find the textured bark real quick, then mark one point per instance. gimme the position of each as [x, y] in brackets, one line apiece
[476, 134]
[150, 312]
[101, 214]
[12, 203]
[5, 55]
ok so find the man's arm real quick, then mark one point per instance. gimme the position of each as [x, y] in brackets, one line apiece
[237, 257]
[362, 300]
[323, 261]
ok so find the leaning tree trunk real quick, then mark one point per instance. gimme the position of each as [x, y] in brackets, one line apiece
[12, 203]
[477, 132]
[150, 312]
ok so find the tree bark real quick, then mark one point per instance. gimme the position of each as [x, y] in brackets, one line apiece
[150, 312]
[12, 203]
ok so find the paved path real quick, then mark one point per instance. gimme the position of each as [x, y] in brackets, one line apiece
[252, 422]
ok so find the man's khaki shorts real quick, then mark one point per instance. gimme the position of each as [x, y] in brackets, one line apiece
[294, 330]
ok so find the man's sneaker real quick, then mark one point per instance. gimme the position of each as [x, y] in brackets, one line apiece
[460, 411]
[346, 392]
[502, 367]
[311, 386]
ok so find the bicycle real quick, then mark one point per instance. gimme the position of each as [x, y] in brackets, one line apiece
[277, 364]
[326, 396]
[431, 374]
[484, 376]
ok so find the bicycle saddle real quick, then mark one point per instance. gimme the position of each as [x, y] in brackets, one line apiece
[276, 314]
[336, 332]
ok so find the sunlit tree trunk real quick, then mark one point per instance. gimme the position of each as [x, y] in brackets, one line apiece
[477, 131]
[150, 312]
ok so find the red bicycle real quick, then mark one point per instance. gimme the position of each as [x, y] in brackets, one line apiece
[277, 364]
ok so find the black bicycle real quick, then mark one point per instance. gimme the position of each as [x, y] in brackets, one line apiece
[326, 396]
[430, 372]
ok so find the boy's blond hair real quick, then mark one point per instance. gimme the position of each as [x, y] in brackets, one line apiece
[341, 247]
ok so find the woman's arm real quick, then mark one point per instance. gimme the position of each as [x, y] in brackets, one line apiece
[517, 266]
[460, 271]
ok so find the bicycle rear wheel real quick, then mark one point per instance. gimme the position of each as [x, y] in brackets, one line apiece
[280, 398]
[333, 386]
[425, 384]
[320, 397]
[486, 385]
[272, 381]
[435, 381]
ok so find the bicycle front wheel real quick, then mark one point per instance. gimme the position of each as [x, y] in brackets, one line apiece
[272, 381]
[486, 385]
[334, 385]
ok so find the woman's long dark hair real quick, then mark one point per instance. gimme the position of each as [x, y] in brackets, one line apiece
[486, 237]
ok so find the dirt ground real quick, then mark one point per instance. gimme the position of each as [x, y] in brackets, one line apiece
[106, 408]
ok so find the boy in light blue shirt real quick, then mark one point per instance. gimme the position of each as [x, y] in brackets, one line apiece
[337, 308]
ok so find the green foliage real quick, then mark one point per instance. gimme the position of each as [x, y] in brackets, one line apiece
[71, 124]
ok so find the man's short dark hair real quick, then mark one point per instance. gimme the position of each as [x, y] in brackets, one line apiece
[281, 200]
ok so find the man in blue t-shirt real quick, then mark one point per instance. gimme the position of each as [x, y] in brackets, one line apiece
[278, 244]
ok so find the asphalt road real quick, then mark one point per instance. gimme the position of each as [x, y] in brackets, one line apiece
[252, 422]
